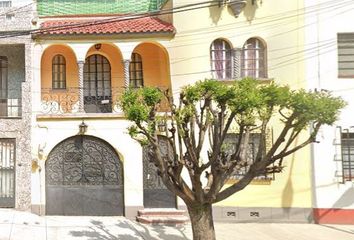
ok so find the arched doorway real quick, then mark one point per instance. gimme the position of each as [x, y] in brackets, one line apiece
[97, 85]
[156, 194]
[84, 176]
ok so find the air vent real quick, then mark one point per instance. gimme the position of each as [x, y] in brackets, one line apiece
[231, 214]
[254, 214]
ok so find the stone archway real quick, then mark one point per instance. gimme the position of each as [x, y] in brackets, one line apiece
[84, 177]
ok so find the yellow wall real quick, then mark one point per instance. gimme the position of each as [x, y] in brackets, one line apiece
[71, 66]
[279, 24]
[114, 57]
[155, 65]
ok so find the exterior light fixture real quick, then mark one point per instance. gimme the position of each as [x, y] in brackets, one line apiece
[161, 126]
[98, 46]
[82, 128]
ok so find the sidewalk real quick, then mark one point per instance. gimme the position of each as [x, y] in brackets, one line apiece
[26, 226]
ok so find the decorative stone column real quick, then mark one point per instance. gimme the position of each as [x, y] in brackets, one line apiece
[237, 63]
[126, 63]
[81, 86]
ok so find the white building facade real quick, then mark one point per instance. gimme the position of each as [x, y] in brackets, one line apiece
[329, 57]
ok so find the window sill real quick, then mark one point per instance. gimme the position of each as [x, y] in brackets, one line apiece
[266, 181]
[261, 80]
[345, 77]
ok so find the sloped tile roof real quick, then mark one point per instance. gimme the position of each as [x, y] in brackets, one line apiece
[104, 26]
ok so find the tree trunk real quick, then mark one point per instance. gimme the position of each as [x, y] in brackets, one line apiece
[202, 222]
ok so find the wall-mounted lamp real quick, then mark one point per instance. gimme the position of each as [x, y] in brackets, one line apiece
[161, 126]
[98, 46]
[82, 128]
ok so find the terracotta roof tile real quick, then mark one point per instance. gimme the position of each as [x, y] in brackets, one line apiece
[107, 26]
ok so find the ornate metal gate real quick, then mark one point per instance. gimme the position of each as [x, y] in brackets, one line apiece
[84, 176]
[156, 195]
[7, 172]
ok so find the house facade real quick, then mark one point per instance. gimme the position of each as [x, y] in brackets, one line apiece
[84, 56]
[15, 103]
[329, 67]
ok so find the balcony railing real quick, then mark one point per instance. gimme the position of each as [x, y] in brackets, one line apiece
[67, 101]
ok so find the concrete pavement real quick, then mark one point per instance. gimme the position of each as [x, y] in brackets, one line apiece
[16, 225]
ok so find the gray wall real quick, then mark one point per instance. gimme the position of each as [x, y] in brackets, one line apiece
[16, 68]
[21, 17]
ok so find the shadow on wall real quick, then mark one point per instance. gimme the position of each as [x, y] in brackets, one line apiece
[287, 197]
[215, 14]
[250, 10]
[339, 213]
[346, 199]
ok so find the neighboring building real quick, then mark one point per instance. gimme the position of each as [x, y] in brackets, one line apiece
[15, 103]
[84, 57]
[330, 67]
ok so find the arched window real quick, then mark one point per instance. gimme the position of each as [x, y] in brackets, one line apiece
[58, 72]
[97, 85]
[254, 59]
[221, 59]
[3, 77]
[136, 71]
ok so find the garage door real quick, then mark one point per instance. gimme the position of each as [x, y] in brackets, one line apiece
[84, 177]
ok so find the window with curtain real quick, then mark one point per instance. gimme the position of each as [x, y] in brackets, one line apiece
[58, 72]
[221, 59]
[253, 63]
[136, 71]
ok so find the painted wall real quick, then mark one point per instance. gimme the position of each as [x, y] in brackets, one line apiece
[280, 25]
[333, 199]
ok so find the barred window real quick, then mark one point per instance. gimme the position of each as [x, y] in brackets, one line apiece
[346, 55]
[253, 63]
[347, 140]
[5, 4]
[136, 71]
[230, 144]
[221, 59]
[58, 72]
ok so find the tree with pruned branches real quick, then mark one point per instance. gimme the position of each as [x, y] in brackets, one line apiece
[198, 124]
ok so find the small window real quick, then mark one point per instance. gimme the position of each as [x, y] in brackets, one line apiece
[253, 63]
[9, 16]
[346, 55]
[221, 59]
[347, 146]
[136, 71]
[59, 72]
[229, 147]
[5, 4]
